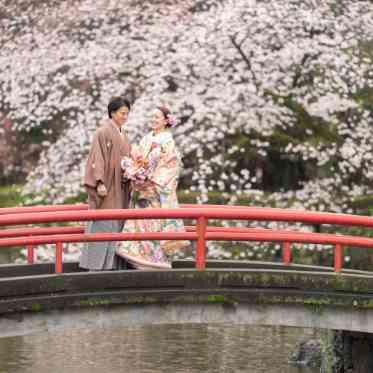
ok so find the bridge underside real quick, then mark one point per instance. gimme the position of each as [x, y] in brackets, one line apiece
[97, 315]
[300, 298]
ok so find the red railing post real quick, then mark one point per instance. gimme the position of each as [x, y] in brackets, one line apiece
[30, 254]
[58, 257]
[338, 257]
[201, 243]
[286, 253]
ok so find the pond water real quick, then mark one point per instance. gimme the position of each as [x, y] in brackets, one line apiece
[158, 348]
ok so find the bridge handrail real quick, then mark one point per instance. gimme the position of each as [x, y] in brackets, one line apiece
[37, 235]
[255, 213]
[228, 213]
[41, 231]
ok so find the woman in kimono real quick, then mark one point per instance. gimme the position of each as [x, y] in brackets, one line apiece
[154, 188]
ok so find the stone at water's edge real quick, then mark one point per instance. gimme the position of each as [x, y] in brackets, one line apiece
[325, 353]
[336, 352]
[354, 352]
[308, 354]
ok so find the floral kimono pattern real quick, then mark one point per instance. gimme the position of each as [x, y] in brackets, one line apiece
[158, 150]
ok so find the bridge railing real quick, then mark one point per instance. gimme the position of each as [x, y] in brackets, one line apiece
[32, 236]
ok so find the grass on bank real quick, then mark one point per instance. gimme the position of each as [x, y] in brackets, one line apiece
[10, 195]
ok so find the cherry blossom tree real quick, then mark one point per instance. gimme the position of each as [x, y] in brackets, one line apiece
[265, 91]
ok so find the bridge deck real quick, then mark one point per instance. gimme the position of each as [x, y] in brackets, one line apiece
[21, 270]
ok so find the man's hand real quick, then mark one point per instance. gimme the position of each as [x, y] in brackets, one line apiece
[101, 190]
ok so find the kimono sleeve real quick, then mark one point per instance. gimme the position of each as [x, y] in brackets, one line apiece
[166, 174]
[95, 169]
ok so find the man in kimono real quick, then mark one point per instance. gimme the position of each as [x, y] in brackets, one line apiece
[105, 187]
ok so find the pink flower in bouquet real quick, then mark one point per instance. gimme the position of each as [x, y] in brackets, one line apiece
[136, 167]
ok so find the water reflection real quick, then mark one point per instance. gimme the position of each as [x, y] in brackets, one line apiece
[161, 348]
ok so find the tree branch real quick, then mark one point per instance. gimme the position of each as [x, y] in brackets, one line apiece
[244, 57]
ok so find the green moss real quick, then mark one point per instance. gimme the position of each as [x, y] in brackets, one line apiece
[217, 299]
[94, 302]
[365, 304]
[142, 299]
[340, 283]
[35, 307]
[267, 279]
[317, 305]
[327, 350]
[221, 299]
[55, 281]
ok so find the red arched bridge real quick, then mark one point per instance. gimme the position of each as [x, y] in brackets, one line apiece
[262, 294]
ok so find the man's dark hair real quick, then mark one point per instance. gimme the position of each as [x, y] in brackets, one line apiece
[116, 103]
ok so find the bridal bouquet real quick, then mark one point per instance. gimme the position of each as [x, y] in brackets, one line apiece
[137, 167]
